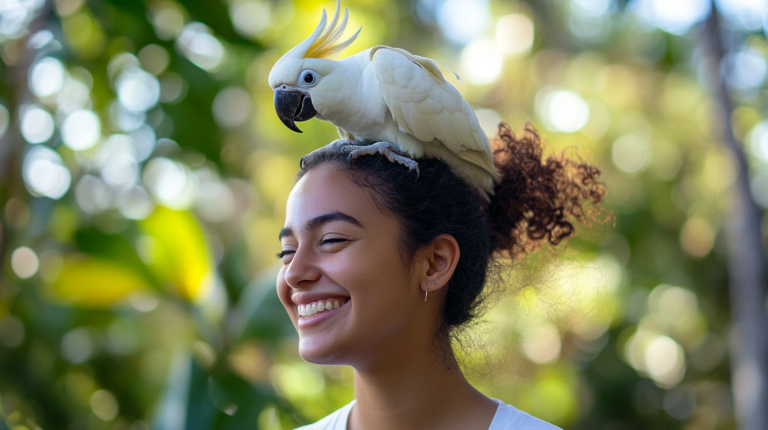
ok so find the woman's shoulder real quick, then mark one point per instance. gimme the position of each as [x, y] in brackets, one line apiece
[509, 417]
[335, 421]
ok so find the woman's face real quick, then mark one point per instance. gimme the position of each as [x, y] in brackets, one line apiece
[339, 248]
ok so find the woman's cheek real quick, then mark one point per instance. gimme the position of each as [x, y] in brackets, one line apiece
[346, 273]
[284, 293]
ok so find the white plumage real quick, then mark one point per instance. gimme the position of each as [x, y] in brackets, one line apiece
[385, 94]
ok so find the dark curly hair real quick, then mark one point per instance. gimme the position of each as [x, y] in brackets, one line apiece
[535, 201]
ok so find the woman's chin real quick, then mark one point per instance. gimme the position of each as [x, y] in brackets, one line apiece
[315, 349]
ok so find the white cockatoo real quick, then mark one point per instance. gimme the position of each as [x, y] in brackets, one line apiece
[397, 101]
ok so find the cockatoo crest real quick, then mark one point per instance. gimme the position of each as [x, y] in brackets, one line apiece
[326, 44]
[323, 43]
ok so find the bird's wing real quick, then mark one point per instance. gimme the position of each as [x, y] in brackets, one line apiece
[427, 107]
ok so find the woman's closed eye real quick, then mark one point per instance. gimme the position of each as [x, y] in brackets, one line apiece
[332, 244]
[325, 243]
[332, 240]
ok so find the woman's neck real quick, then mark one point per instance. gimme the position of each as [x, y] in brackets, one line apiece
[417, 388]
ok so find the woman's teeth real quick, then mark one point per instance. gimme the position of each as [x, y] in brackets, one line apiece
[319, 306]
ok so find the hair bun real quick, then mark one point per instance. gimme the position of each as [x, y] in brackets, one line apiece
[536, 199]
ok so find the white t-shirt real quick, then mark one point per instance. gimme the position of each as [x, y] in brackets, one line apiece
[507, 417]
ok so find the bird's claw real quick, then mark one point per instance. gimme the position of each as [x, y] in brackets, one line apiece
[335, 146]
[355, 149]
[392, 152]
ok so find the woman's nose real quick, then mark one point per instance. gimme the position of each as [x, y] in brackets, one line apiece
[302, 271]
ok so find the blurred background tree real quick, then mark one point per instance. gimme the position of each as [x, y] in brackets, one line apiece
[144, 175]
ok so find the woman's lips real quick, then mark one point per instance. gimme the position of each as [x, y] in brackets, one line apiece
[312, 319]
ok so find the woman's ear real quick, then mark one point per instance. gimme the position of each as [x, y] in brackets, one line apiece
[439, 260]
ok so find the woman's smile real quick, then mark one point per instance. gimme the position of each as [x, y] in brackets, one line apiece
[317, 312]
[314, 307]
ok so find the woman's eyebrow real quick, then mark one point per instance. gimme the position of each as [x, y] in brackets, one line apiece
[285, 232]
[319, 220]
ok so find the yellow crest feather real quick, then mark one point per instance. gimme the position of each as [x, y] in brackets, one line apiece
[327, 43]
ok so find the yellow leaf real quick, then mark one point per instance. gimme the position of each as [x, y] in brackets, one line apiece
[92, 283]
[179, 253]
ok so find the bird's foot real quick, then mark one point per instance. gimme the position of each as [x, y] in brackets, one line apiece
[331, 148]
[392, 152]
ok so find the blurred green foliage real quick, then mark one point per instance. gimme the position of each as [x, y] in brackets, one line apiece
[144, 178]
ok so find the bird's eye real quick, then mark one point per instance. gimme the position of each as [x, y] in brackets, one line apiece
[308, 77]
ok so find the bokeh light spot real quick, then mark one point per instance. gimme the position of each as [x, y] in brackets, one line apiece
[81, 130]
[665, 361]
[560, 110]
[154, 59]
[136, 203]
[168, 22]
[462, 20]
[16, 15]
[45, 174]
[215, 201]
[119, 62]
[138, 90]
[631, 153]
[748, 14]
[77, 346]
[104, 405]
[482, 61]
[73, 96]
[47, 77]
[697, 237]
[144, 140]
[232, 106]
[542, 344]
[117, 160]
[758, 141]
[92, 194]
[120, 170]
[201, 47]
[745, 70]
[24, 262]
[169, 182]
[143, 301]
[36, 125]
[675, 17]
[125, 119]
[251, 18]
[514, 34]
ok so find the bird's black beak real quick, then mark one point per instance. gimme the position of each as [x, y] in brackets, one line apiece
[293, 106]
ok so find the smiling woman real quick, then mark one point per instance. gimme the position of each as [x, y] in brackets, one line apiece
[380, 268]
